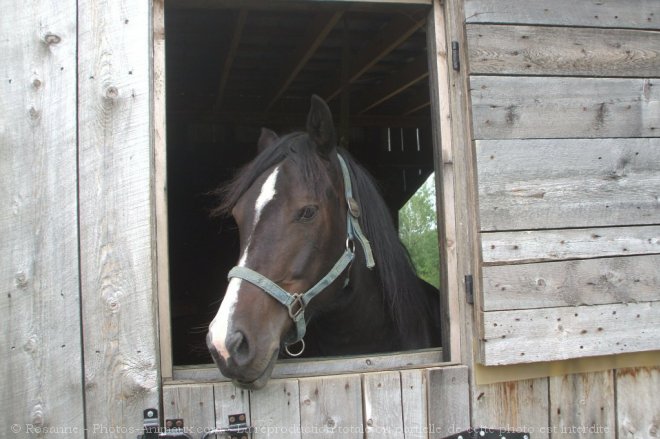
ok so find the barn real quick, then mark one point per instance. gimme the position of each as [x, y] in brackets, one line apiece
[540, 122]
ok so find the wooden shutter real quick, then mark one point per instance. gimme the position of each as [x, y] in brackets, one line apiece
[566, 121]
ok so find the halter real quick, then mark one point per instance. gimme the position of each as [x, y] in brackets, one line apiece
[297, 302]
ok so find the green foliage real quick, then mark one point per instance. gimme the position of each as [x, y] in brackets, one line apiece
[419, 232]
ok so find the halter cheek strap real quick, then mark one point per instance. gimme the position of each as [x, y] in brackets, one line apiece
[296, 303]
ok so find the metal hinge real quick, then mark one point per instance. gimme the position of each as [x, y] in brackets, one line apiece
[469, 289]
[455, 57]
[489, 433]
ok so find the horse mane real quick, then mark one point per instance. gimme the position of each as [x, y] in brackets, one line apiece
[408, 304]
[403, 296]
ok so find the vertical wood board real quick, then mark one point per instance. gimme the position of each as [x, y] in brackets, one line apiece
[116, 222]
[194, 403]
[414, 401]
[331, 406]
[230, 400]
[583, 406]
[640, 14]
[637, 402]
[41, 371]
[275, 411]
[520, 406]
[561, 107]
[383, 411]
[448, 401]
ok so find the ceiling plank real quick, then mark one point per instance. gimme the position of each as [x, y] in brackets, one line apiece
[319, 29]
[229, 60]
[390, 37]
[408, 76]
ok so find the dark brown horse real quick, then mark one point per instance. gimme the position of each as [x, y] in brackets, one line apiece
[312, 225]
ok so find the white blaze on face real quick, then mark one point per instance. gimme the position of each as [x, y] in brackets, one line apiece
[222, 322]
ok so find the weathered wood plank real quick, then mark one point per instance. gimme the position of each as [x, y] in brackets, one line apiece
[448, 401]
[555, 107]
[553, 183]
[534, 50]
[331, 406]
[643, 14]
[383, 410]
[230, 400]
[116, 212]
[275, 410]
[553, 245]
[547, 334]
[327, 366]
[41, 368]
[572, 283]
[513, 406]
[414, 402]
[194, 403]
[637, 402]
[582, 405]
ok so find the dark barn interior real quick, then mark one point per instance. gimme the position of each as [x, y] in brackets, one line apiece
[234, 67]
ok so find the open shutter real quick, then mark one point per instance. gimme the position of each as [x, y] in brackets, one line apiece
[566, 119]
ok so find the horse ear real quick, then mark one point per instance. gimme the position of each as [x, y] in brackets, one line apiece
[266, 139]
[320, 127]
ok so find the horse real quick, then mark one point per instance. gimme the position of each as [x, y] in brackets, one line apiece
[321, 266]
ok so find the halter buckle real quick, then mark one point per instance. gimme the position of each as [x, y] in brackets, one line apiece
[353, 207]
[295, 313]
[350, 245]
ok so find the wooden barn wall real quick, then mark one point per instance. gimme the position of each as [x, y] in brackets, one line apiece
[79, 314]
[429, 403]
[41, 367]
[565, 103]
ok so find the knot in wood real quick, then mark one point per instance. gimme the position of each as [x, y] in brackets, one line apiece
[51, 39]
[112, 92]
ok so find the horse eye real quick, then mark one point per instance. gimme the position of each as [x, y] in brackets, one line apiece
[307, 213]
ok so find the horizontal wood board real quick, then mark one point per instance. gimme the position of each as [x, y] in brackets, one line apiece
[637, 14]
[557, 183]
[548, 334]
[572, 283]
[564, 107]
[555, 245]
[546, 51]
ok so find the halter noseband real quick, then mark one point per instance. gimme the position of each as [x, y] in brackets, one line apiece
[297, 302]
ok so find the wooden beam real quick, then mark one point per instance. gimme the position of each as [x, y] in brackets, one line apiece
[229, 60]
[317, 33]
[409, 75]
[390, 37]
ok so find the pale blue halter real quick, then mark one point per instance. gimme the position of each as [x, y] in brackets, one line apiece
[297, 302]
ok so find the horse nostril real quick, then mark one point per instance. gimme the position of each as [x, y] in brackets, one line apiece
[239, 348]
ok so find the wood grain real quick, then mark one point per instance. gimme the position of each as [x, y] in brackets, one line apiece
[554, 183]
[637, 402]
[116, 212]
[414, 401]
[230, 400]
[583, 406]
[520, 406]
[642, 14]
[192, 403]
[383, 410]
[553, 245]
[331, 406]
[548, 334]
[535, 50]
[274, 410]
[41, 368]
[560, 107]
[449, 401]
[572, 283]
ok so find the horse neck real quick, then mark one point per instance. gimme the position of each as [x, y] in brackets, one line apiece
[360, 322]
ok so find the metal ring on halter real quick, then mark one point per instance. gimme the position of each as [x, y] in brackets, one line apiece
[295, 354]
[350, 244]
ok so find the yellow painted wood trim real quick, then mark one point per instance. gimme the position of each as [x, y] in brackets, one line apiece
[517, 372]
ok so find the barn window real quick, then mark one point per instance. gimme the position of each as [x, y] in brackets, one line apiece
[232, 67]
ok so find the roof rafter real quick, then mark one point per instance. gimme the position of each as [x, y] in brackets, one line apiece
[229, 60]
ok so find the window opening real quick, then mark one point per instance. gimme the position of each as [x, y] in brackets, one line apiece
[231, 71]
